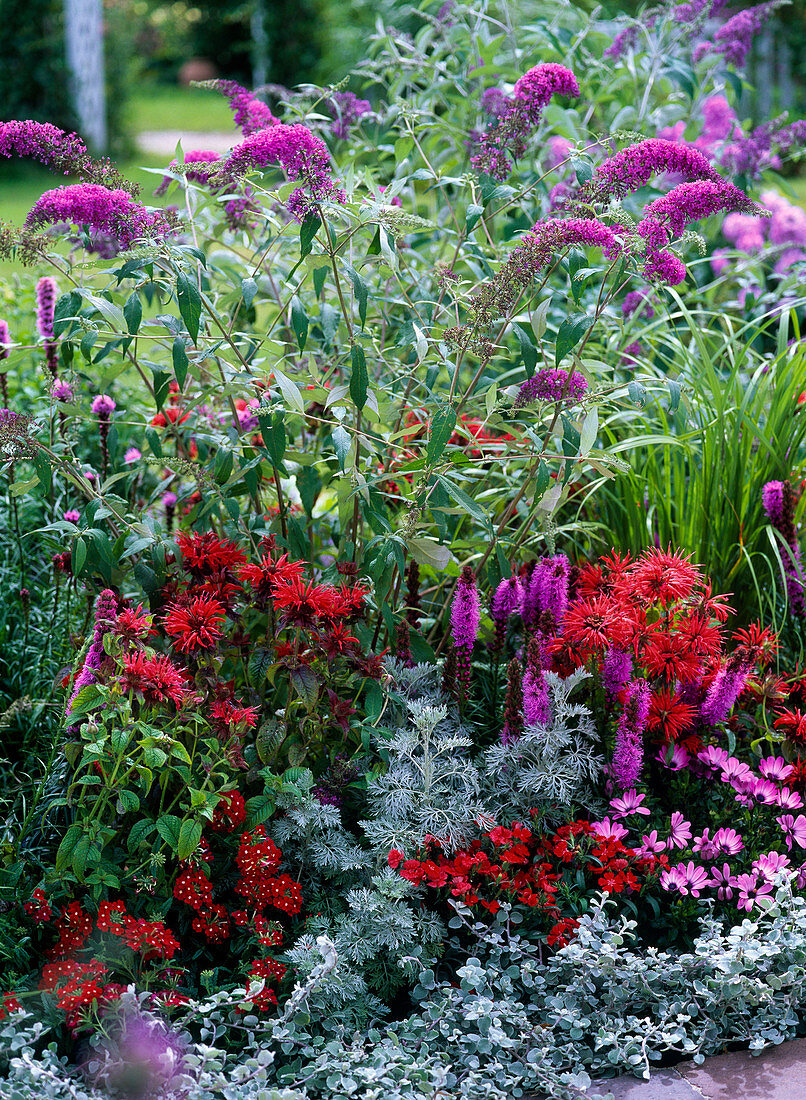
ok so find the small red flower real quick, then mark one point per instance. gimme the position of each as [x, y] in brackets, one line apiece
[669, 716]
[793, 722]
[230, 812]
[303, 605]
[134, 625]
[592, 623]
[195, 624]
[38, 908]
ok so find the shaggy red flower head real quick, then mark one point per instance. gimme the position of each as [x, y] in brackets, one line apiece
[266, 573]
[134, 625]
[348, 601]
[153, 679]
[229, 714]
[669, 716]
[204, 553]
[793, 723]
[303, 605]
[195, 623]
[757, 644]
[702, 637]
[668, 657]
[593, 623]
[662, 576]
[337, 641]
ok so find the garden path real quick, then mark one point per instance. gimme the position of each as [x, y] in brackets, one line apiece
[777, 1074]
[163, 142]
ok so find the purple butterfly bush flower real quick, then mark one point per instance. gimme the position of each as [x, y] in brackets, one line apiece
[691, 202]
[628, 751]
[71, 515]
[507, 138]
[625, 40]
[132, 455]
[636, 300]
[552, 384]
[301, 155]
[114, 212]
[735, 38]
[346, 109]
[64, 153]
[494, 102]
[632, 168]
[250, 113]
[465, 620]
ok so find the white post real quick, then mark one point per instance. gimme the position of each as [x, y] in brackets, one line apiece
[84, 42]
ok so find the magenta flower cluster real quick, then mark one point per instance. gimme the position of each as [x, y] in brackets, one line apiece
[552, 384]
[628, 752]
[465, 621]
[346, 109]
[517, 118]
[64, 153]
[302, 156]
[102, 209]
[250, 113]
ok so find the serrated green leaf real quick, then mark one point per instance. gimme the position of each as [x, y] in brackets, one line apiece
[442, 426]
[189, 836]
[306, 683]
[168, 827]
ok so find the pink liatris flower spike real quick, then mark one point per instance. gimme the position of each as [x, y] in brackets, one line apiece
[465, 619]
[628, 752]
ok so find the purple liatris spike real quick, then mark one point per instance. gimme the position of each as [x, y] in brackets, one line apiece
[778, 500]
[628, 752]
[45, 303]
[616, 671]
[507, 601]
[465, 619]
[105, 620]
[535, 694]
[513, 703]
[552, 594]
[724, 691]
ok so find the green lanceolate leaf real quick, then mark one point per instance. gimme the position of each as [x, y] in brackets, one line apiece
[359, 379]
[190, 304]
[569, 334]
[299, 322]
[180, 360]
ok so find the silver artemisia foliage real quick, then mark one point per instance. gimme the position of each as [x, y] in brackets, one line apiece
[552, 763]
[430, 787]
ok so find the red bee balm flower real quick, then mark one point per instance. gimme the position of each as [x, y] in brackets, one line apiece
[154, 679]
[195, 624]
[203, 554]
[662, 576]
[303, 604]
